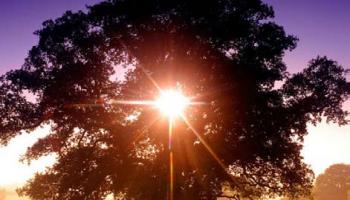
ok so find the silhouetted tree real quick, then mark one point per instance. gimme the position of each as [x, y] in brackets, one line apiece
[225, 53]
[334, 183]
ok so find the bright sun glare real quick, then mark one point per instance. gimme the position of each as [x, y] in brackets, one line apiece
[172, 103]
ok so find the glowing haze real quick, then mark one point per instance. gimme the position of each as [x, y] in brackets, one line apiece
[321, 25]
[12, 171]
[172, 103]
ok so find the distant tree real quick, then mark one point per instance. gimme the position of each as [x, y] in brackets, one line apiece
[225, 53]
[334, 183]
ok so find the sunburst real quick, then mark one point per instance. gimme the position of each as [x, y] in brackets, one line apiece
[172, 103]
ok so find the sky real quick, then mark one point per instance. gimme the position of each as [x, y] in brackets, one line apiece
[18, 21]
[322, 26]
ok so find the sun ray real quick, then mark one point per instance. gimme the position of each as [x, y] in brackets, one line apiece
[133, 102]
[171, 161]
[151, 79]
[209, 149]
[172, 103]
[112, 102]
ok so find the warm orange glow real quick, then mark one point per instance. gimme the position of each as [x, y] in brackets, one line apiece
[172, 103]
[13, 172]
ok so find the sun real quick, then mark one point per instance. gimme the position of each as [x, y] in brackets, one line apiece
[172, 103]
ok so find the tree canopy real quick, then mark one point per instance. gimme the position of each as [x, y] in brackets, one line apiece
[227, 54]
[334, 183]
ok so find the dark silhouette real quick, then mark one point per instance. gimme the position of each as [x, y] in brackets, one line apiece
[227, 54]
[334, 183]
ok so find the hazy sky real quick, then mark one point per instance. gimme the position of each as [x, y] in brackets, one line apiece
[323, 27]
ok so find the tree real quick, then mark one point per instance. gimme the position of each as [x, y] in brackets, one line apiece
[334, 183]
[227, 54]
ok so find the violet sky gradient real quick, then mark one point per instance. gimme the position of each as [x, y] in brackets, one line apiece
[323, 27]
[20, 18]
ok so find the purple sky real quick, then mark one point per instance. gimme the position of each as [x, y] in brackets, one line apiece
[323, 27]
[20, 18]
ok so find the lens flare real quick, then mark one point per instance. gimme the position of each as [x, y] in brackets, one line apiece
[172, 103]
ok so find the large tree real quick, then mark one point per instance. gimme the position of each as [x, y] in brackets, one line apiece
[226, 54]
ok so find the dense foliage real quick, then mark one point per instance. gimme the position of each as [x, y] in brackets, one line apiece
[227, 54]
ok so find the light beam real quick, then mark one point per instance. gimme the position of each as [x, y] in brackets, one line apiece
[172, 103]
